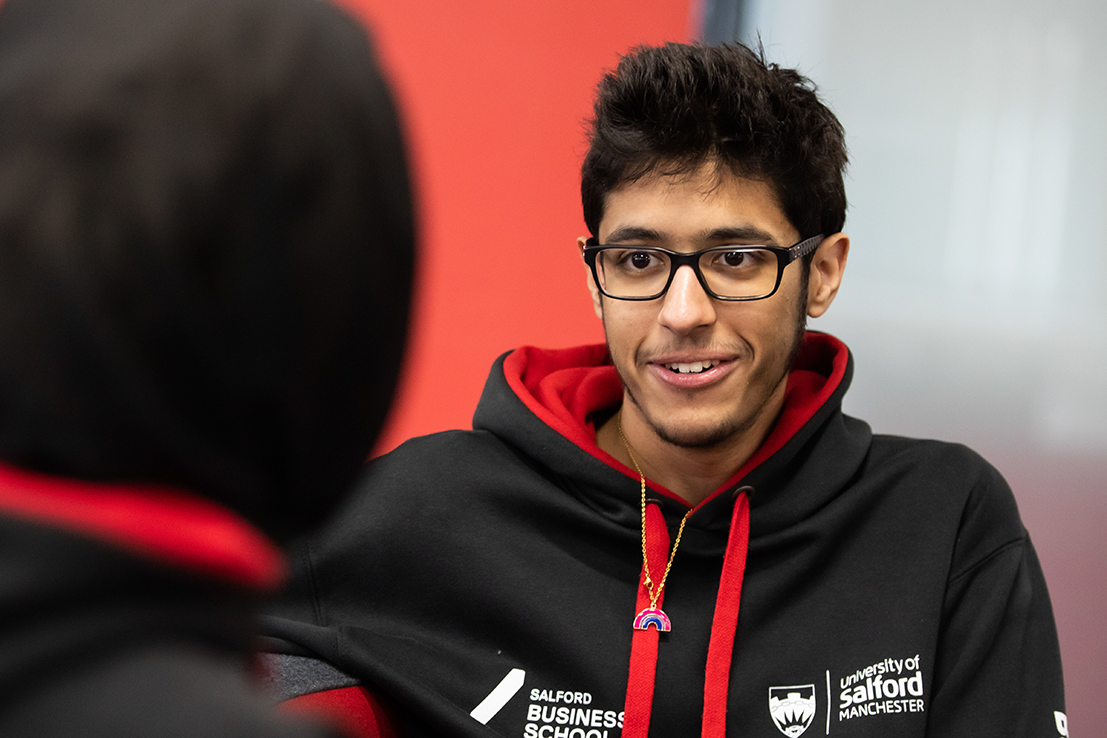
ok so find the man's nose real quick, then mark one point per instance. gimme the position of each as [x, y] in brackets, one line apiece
[686, 306]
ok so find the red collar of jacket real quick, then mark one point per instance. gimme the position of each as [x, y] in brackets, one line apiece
[157, 523]
[565, 387]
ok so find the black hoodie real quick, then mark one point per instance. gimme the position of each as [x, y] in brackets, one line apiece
[206, 245]
[841, 583]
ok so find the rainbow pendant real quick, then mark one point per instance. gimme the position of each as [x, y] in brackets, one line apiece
[654, 616]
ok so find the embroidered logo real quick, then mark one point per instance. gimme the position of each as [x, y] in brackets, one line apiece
[792, 708]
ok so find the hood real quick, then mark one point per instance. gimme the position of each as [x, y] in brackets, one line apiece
[94, 574]
[566, 389]
[206, 247]
[187, 533]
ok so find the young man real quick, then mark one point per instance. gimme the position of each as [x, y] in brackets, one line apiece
[206, 248]
[679, 532]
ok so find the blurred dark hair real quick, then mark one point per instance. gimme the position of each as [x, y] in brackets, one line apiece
[673, 108]
[206, 248]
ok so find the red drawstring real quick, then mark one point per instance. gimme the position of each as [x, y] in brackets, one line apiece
[644, 643]
[724, 625]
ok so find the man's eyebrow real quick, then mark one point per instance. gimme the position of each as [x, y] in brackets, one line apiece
[746, 234]
[633, 233]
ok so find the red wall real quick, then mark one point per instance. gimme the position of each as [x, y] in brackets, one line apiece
[495, 95]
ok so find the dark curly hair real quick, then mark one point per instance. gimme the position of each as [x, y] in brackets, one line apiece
[672, 108]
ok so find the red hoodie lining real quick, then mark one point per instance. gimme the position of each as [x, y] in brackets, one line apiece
[158, 523]
[564, 387]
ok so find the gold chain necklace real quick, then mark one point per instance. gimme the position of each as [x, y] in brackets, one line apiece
[652, 615]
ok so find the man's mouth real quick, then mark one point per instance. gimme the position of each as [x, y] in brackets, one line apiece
[696, 367]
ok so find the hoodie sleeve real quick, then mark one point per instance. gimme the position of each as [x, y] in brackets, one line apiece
[998, 669]
[302, 680]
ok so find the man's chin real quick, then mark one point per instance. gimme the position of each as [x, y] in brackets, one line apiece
[691, 433]
[697, 436]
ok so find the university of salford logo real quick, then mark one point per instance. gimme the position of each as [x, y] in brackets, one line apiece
[792, 708]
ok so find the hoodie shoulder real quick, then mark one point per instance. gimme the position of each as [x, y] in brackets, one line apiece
[421, 481]
[957, 481]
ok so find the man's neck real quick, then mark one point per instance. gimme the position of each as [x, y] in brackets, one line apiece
[693, 474]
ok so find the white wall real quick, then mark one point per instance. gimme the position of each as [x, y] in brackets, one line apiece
[976, 294]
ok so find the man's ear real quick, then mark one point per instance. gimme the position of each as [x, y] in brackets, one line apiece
[827, 266]
[597, 298]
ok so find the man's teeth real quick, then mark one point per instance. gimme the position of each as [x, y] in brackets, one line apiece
[693, 368]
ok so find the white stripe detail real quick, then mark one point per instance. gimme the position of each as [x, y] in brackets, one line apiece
[499, 696]
[829, 704]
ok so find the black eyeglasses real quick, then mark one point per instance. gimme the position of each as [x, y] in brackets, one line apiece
[725, 272]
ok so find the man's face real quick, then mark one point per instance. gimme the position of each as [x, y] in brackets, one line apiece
[699, 371]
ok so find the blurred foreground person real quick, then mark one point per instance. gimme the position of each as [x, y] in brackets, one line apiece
[206, 246]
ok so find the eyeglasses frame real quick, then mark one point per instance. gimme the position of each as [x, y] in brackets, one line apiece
[677, 259]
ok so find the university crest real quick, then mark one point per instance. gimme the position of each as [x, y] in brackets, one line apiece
[792, 708]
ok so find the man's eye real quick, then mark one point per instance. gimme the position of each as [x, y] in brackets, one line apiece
[739, 259]
[636, 261]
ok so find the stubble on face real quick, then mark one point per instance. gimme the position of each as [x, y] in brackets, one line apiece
[729, 428]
